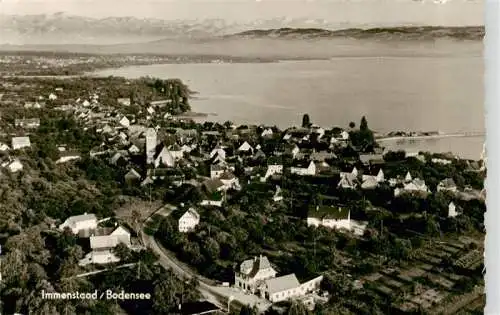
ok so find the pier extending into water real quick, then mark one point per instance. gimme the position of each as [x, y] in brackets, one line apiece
[434, 136]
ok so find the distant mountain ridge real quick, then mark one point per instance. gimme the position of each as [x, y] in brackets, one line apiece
[61, 28]
[400, 33]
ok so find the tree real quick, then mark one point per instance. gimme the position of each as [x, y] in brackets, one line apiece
[306, 121]
[247, 310]
[352, 125]
[363, 126]
[297, 308]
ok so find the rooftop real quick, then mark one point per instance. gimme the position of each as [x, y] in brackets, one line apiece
[282, 283]
[328, 212]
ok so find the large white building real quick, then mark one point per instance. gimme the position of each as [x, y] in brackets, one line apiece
[102, 247]
[272, 169]
[84, 222]
[189, 220]
[257, 276]
[288, 288]
[308, 170]
[331, 217]
[253, 273]
[20, 143]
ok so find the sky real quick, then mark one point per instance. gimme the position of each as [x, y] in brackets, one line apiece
[453, 12]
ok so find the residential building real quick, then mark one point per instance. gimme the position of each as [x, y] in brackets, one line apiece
[329, 216]
[447, 184]
[452, 210]
[245, 147]
[415, 186]
[189, 220]
[272, 169]
[132, 175]
[278, 195]
[125, 122]
[28, 123]
[305, 170]
[253, 273]
[66, 156]
[163, 157]
[216, 171]
[84, 222]
[124, 101]
[20, 143]
[281, 288]
[15, 166]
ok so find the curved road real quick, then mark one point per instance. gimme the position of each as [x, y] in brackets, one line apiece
[212, 293]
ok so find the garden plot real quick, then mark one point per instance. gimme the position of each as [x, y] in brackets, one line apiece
[441, 281]
[470, 260]
[391, 283]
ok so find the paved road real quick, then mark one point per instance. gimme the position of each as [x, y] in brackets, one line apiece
[86, 274]
[212, 293]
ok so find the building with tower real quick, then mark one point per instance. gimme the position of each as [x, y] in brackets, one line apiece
[151, 142]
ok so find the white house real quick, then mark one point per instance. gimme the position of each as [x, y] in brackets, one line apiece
[348, 180]
[253, 273]
[122, 234]
[216, 171]
[310, 170]
[415, 186]
[189, 220]
[79, 223]
[164, 158]
[20, 143]
[134, 149]
[331, 217]
[267, 132]
[272, 169]
[230, 181]
[278, 195]
[67, 156]
[52, 97]
[370, 182]
[176, 152]
[125, 122]
[408, 177]
[447, 184]
[15, 166]
[282, 288]
[124, 101]
[218, 151]
[4, 147]
[245, 147]
[452, 210]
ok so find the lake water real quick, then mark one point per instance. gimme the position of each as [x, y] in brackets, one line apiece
[424, 92]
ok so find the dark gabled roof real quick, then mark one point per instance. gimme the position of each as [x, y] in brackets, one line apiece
[448, 182]
[213, 184]
[301, 163]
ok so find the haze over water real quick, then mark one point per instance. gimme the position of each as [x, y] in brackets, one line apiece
[402, 87]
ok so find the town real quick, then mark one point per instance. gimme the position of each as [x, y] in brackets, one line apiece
[111, 183]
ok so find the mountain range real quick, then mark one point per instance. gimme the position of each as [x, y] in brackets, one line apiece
[62, 29]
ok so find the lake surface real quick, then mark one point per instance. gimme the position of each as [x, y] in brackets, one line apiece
[424, 92]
